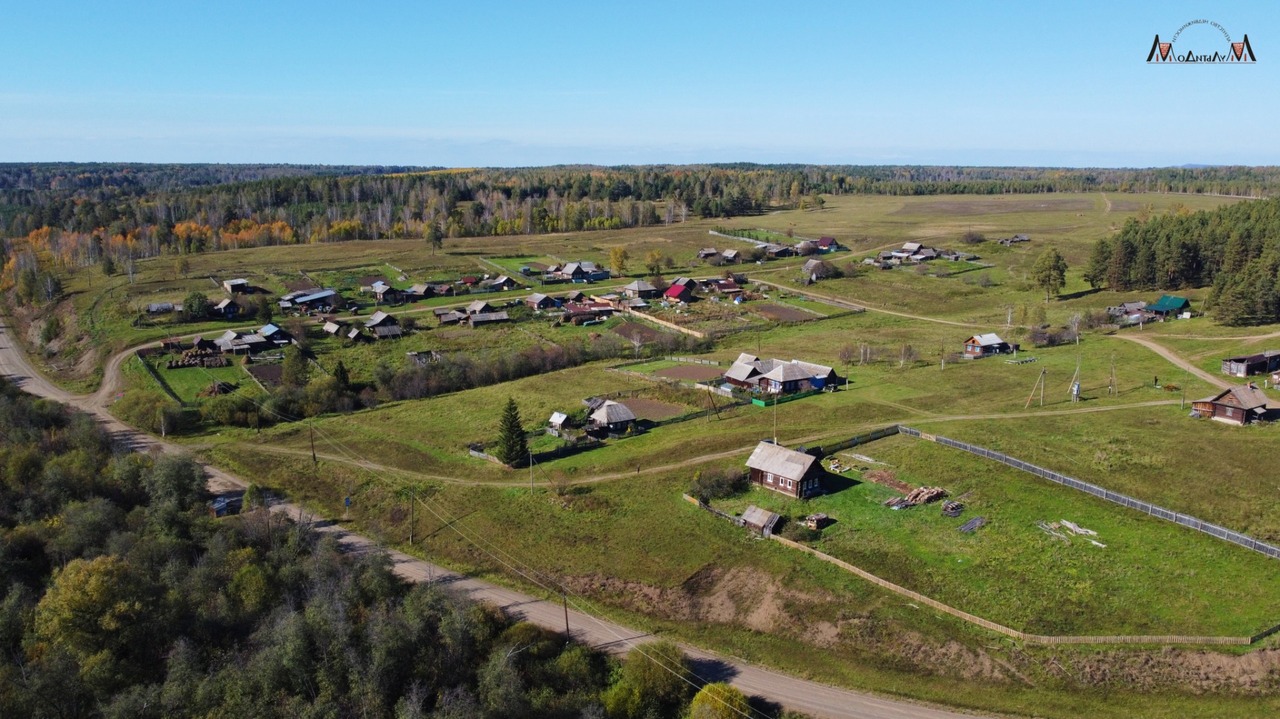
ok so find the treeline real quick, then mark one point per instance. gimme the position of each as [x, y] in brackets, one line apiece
[121, 597]
[133, 211]
[1235, 249]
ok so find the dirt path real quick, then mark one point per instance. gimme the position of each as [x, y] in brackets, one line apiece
[1170, 355]
[857, 304]
[798, 694]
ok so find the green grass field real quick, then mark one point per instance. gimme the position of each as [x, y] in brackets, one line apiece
[701, 579]
[1152, 577]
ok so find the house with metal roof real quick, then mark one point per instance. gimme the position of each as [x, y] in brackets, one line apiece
[383, 326]
[1242, 404]
[641, 289]
[793, 473]
[1260, 363]
[986, 345]
[775, 376]
[1169, 306]
[613, 417]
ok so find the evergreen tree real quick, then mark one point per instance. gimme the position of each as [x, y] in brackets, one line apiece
[513, 446]
[1050, 272]
[195, 307]
[295, 372]
[1099, 261]
[342, 376]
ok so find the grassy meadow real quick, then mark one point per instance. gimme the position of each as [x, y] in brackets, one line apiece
[700, 578]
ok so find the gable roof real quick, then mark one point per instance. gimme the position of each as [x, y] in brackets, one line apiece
[612, 412]
[378, 318]
[1170, 303]
[558, 418]
[780, 461]
[640, 286]
[788, 372]
[1243, 396]
[677, 291]
[987, 340]
[478, 306]
[741, 371]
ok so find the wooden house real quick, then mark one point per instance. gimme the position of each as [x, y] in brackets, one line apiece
[792, 473]
[275, 335]
[237, 286]
[227, 309]
[1241, 405]
[775, 376]
[640, 289]
[538, 301]
[384, 326]
[827, 244]
[1169, 306]
[332, 327]
[417, 292]
[777, 251]
[986, 345]
[732, 257]
[613, 417]
[479, 307]
[384, 292]
[1261, 363]
[678, 293]
[707, 253]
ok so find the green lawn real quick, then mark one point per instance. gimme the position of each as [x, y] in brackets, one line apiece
[1012, 572]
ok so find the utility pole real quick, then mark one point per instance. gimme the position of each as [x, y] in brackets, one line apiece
[530, 471]
[413, 499]
[312, 428]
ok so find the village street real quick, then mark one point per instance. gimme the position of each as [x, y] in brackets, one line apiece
[799, 694]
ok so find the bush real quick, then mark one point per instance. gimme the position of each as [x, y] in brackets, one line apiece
[52, 328]
[718, 484]
[797, 532]
[1044, 337]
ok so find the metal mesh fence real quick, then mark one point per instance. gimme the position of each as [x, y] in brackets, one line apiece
[1185, 520]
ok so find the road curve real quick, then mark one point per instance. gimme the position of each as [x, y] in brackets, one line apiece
[799, 694]
[1169, 354]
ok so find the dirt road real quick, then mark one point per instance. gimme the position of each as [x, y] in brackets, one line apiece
[1168, 354]
[805, 696]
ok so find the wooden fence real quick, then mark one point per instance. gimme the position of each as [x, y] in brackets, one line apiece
[663, 323]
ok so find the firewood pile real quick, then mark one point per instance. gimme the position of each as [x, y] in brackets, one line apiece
[887, 478]
[918, 496]
[216, 388]
[952, 509]
[199, 358]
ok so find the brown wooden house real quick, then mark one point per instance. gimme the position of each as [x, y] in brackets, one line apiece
[785, 470]
[1241, 405]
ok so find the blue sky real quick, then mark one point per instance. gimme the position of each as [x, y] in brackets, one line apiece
[531, 83]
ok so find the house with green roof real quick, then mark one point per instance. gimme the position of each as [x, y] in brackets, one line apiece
[1169, 306]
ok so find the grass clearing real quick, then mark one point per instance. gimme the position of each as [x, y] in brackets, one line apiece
[1153, 577]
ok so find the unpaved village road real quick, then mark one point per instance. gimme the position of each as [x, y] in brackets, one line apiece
[810, 697]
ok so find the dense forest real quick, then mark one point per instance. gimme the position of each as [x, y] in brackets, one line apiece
[1235, 249]
[121, 597]
[84, 214]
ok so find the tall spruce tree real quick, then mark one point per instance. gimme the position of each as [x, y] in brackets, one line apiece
[513, 447]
